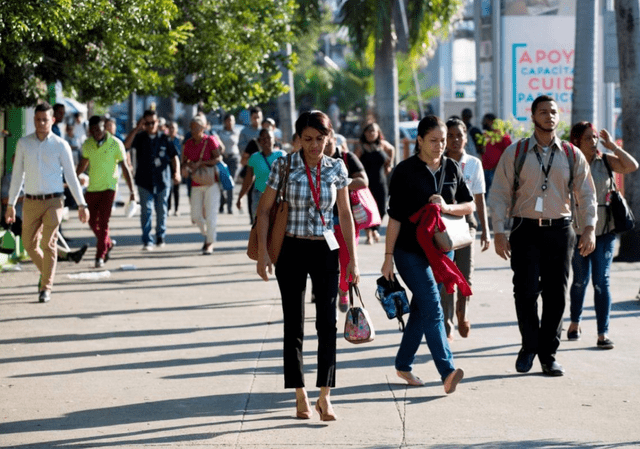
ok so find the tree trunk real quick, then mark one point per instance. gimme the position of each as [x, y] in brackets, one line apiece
[585, 88]
[628, 31]
[386, 86]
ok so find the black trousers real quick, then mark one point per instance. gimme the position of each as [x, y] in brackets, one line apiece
[299, 258]
[175, 193]
[540, 260]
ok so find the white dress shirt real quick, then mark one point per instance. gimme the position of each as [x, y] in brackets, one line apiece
[39, 165]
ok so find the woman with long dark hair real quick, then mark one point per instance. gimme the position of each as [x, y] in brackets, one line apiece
[597, 265]
[376, 155]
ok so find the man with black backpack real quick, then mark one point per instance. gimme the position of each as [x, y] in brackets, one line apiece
[537, 182]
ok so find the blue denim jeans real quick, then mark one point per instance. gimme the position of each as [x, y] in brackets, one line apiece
[157, 199]
[596, 266]
[426, 317]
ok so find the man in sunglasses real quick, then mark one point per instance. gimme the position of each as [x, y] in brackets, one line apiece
[157, 169]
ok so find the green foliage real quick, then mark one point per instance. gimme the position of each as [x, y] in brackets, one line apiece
[104, 49]
[501, 127]
[220, 53]
[233, 58]
[351, 86]
[366, 21]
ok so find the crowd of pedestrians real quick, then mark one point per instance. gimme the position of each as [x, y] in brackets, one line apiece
[547, 200]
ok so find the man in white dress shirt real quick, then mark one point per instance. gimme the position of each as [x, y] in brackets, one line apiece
[40, 161]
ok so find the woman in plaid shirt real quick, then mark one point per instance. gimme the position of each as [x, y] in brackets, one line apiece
[316, 183]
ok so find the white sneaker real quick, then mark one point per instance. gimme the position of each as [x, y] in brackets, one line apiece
[147, 247]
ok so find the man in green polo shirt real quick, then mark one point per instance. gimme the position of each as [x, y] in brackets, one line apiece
[102, 153]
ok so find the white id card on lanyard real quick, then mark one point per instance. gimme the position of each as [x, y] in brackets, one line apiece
[331, 240]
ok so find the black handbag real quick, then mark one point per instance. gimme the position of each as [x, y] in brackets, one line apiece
[617, 206]
[393, 298]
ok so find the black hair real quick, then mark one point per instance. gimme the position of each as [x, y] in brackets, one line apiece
[467, 113]
[55, 106]
[537, 101]
[315, 119]
[577, 131]
[456, 122]
[43, 107]
[425, 126]
[227, 116]
[363, 138]
[255, 110]
[149, 113]
[96, 120]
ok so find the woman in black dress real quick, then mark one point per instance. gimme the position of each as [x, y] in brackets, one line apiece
[376, 154]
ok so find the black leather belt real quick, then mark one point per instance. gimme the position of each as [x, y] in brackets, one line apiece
[47, 196]
[545, 222]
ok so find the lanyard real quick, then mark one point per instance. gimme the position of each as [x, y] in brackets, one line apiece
[315, 190]
[547, 169]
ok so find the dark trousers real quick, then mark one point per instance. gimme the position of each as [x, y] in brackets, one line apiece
[299, 258]
[175, 193]
[100, 204]
[540, 260]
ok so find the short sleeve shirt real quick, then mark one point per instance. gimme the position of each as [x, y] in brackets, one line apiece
[153, 155]
[261, 165]
[473, 174]
[103, 162]
[304, 216]
[412, 184]
[192, 150]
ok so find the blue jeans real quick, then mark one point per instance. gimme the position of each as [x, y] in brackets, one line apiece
[596, 266]
[148, 200]
[488, 179]
[426, 317]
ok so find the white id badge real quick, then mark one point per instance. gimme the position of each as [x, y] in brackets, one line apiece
[331, 240]
[539, 204]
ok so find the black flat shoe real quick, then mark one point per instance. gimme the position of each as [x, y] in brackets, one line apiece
[605, 344]
[524, 362]
[552, 369]
[574, 335]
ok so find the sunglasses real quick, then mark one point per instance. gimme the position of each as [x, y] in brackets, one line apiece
[150, 123]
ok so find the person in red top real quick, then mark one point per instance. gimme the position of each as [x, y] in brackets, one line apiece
[202, 150]
[496, 142]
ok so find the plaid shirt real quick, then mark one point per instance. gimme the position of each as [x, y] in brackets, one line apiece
[304, 219]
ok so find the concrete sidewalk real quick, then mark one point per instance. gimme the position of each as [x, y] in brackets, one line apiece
[185, 351]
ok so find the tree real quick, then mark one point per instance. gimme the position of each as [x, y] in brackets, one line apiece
[222, 53]
[351, 86]
[628, 31]
[585, 88]
[233, 58]
[371, 26]
[103, 49]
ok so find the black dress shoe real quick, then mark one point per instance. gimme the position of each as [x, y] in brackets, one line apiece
[524, 362]
[76, 256]
[552, 369]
